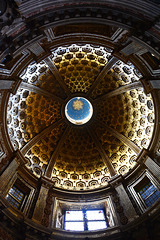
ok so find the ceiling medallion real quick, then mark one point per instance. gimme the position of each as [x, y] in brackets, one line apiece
[78, 110]
[78, 105]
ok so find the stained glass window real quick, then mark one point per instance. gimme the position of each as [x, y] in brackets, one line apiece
[15, 197]
[85, 220]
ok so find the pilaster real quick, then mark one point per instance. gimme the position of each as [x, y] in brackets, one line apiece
[153, 167]
[40, 204]
[125, 202]
[7, 175]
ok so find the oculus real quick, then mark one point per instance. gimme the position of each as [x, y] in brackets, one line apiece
[78, 110]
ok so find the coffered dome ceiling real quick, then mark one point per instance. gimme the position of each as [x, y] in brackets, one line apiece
[88, 155]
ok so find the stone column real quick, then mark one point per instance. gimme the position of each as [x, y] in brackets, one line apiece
[54, 215]
[7, 176]
[153, 167]
[125, 205]
[6, 84]
[133, 47]
[40, 204]
[6, 179]
[110, 213]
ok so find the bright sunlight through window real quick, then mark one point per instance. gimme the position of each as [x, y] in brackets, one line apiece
[85, 220]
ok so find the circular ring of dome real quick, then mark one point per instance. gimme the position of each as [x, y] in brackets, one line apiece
[35, 112]
[78, 110]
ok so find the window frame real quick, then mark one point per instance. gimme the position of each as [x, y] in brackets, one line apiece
[29, 194]
[136, 196]
[21, 203]
[85, 220]
[73, 221]
[58, 213]
[150, 195]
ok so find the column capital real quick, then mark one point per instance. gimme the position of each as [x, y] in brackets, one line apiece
[20, 159]
[46, 182]
[116, 180]
[143, 154]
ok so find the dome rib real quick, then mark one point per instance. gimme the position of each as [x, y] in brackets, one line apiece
[102, 74]
[119, 136]
[120, 90]
[56, 152]
[34, 140]
[55, 72]
[102, 152]
[35, 89]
